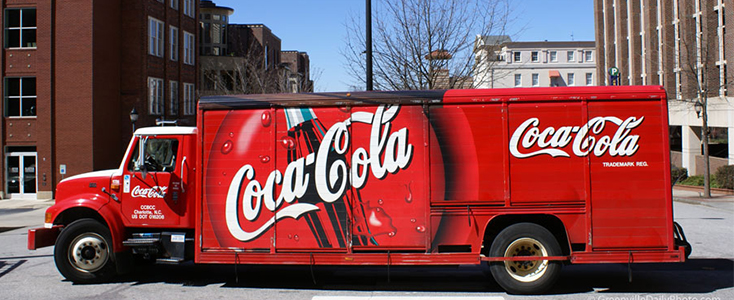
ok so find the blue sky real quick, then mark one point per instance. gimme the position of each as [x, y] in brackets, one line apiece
[317, 27]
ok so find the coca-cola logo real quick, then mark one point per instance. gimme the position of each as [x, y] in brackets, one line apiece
[152, 192]
[585, 138]
[388, 152]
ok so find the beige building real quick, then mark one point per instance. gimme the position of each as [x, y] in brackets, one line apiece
[504, 64]
[681, 45]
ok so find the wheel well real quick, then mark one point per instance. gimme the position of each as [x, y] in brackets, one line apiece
[550, 222]
[70, 215]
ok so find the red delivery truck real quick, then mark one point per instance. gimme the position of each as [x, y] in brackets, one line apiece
[522, 179]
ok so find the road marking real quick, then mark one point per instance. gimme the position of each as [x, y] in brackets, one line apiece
[403, 298]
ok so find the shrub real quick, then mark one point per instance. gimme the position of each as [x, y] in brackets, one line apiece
[697, 180]
[725, 177]
[678, 174]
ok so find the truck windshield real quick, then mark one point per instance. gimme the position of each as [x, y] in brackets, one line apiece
[160, 156]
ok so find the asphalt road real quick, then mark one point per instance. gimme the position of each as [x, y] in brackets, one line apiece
[709, 274]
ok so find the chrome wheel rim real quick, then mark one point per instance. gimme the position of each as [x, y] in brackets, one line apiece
[526, 270]
[88, 252]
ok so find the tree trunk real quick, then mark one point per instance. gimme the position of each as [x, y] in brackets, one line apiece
[705, 141]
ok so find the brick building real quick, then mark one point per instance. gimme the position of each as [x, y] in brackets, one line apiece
[685, 47]
[246, 58]
[72, 72]
[297, 68]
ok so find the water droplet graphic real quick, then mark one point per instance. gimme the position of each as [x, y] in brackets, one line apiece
[295, 237]
[290, 236]
[420, 229]
[380, 202]
[409, 197]
[227, 147]
[412, 220]
[391, 234]
[266, 119]
[288, 142]
[264, 158]
[231, 134]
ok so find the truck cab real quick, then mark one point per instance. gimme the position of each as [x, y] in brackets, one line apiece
[144, 208]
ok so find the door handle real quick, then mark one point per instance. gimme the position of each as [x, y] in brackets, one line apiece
[183, 161]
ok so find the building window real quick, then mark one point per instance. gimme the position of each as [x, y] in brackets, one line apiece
[155, 96]
[589, 79]
[20, 28]
[516, 56]
[174, 4]
[188, 48]
[155, 37]
[534, 56]
[173, 37]
[554, 56]
[188, 8]
[189, 99]
[588, 56]
[570, 56]
[518, 79]
[267, 57]
[535, 79]
[20, 97]
[173, 94]
[570, 81]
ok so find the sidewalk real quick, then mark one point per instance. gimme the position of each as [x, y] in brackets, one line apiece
[22, 213]
[25, 204]
[694, 195]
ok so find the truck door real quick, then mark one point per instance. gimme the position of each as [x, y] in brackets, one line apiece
[151, 183]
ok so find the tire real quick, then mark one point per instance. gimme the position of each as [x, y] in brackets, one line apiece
[525, 277]
[83, 252]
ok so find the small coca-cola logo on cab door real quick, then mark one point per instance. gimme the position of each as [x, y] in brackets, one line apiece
[152, 192]
[585, 139]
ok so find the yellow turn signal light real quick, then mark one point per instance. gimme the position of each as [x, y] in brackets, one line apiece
[115, 185]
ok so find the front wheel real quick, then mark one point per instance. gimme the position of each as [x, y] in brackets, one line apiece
[531, 276]
[83, 252]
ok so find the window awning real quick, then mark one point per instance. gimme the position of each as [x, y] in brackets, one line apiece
[554, 73]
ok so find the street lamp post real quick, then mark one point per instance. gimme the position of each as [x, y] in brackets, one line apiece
[133, 118]
[368, 41]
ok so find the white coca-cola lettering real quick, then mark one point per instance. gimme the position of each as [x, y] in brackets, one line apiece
[331, 178]
[586, 139]
[152, 192]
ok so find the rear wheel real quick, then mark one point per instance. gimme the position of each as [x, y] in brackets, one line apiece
[83, 252]
[526, 276]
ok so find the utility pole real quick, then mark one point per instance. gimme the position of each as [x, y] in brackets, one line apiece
[368, 41]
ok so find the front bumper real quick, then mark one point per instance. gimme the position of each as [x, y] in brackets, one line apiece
[43, 237]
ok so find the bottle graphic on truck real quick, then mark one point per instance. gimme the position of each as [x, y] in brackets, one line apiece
[521, 179]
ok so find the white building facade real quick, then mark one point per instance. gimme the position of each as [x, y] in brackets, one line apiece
[534, 64]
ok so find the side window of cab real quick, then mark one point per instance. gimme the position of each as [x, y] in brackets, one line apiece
[159, 155]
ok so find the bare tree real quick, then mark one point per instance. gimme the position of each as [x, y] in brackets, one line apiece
[423, 44]
[249, 72]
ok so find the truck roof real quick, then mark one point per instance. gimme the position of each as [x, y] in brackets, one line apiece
[592, 93]
[163, 130]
